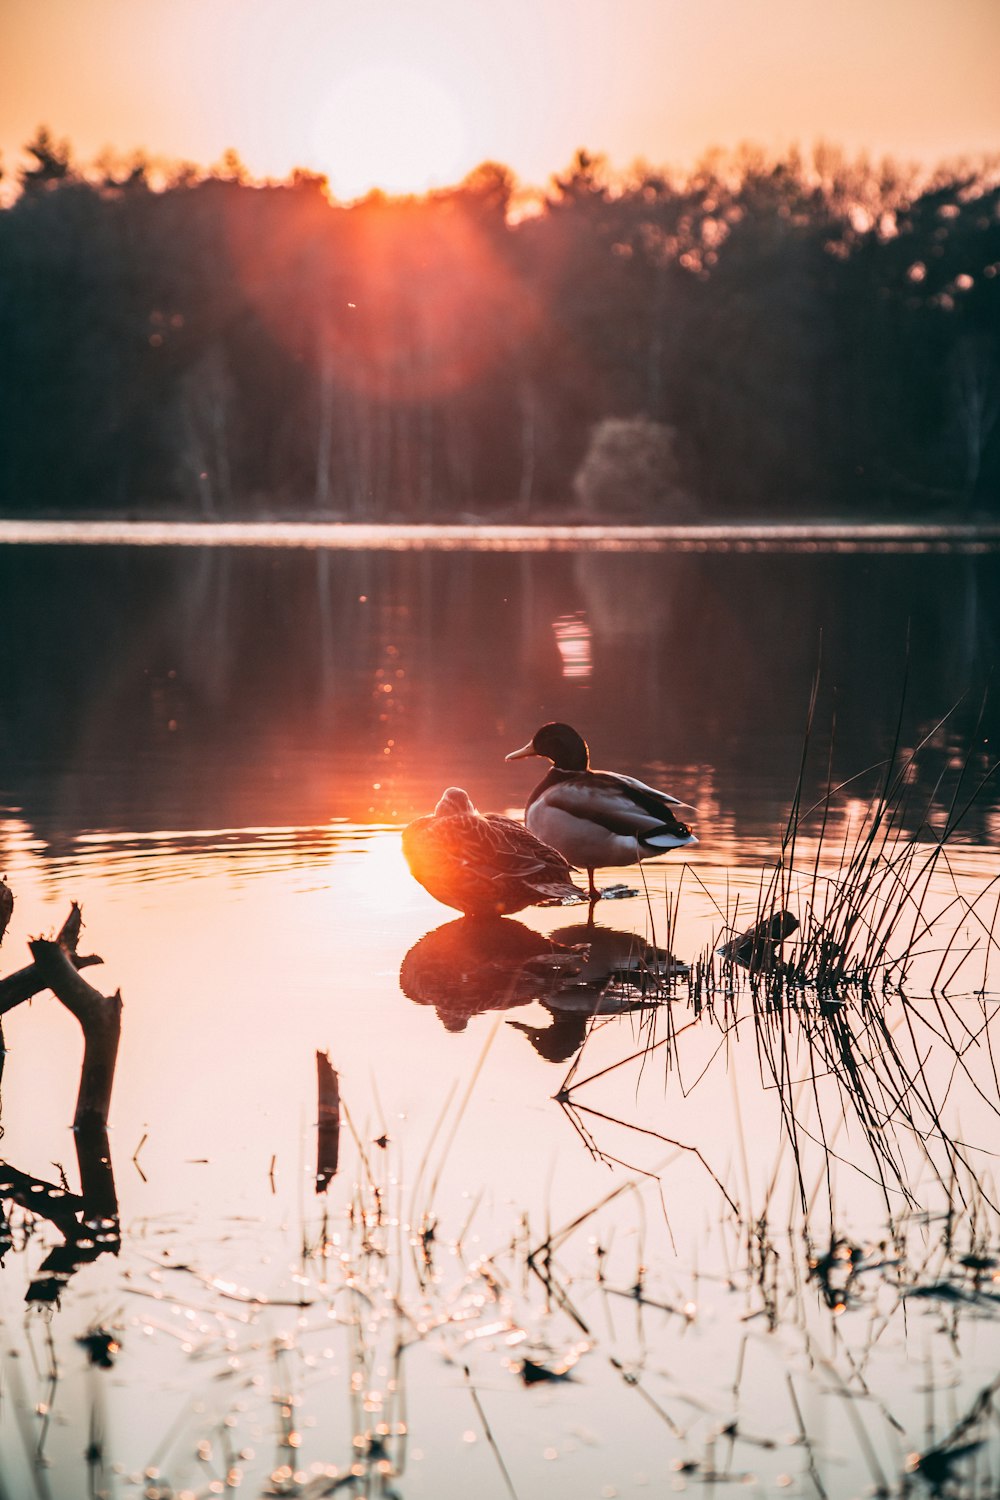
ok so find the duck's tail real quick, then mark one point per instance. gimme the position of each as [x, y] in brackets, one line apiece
[671, 836]
[558, 893]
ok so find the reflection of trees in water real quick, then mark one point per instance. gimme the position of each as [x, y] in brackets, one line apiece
[250, 686]
[634, 597]
[710, 658]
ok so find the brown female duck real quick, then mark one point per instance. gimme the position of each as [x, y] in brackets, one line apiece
[484, 865]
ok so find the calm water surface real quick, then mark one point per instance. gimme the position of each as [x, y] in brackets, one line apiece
[213, 750]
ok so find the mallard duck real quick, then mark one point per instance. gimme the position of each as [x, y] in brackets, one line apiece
[596, 818]
[484, 865]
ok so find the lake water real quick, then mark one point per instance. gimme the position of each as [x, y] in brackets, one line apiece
[751, 1246]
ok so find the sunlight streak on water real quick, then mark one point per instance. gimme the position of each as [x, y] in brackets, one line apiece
[351, 536]
[573, 640]
[242, 853]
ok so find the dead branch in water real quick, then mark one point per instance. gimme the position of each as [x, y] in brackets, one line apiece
[6, 906]
[24, 983]
[88, 1221]
[328, 1132]
[56, 967]
[100, 1018]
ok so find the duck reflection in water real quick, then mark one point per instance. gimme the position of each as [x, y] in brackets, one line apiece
[478, 964]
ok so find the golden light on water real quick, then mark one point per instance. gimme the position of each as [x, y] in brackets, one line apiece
[244, 881]
[573, 641]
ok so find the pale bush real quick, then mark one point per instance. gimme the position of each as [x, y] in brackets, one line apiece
[630, 472]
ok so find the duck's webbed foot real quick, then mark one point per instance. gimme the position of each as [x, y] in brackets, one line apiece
[614, 893]
[610, 892]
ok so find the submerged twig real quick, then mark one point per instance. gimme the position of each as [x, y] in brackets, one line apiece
[328, 1122]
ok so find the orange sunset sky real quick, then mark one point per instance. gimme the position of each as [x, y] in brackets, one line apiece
[408, 94]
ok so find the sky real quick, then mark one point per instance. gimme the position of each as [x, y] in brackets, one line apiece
[410, 94]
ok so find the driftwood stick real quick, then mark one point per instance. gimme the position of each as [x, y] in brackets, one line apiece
[68, 935]
[100, 1019]
[26, 982]
[6, 905]
[328, 1132]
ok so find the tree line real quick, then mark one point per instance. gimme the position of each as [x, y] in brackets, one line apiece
[756, 336]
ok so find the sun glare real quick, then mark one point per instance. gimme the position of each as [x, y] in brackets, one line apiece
[389, 127]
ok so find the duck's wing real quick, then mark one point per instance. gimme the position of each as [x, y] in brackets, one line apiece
[446, 857]
[489, 848]
[514, 851]
[614, 802]
[423, 848]
[641, 790]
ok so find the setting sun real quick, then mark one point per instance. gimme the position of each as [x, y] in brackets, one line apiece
[388, 127]
[384, 384]
[406, 94]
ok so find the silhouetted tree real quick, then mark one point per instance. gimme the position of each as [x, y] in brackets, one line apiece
[818, 334]
[51, 162]
[631, 472]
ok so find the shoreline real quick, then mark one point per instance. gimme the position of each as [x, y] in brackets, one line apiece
[828, 535]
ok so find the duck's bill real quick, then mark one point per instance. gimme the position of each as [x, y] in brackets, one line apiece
[523, 753]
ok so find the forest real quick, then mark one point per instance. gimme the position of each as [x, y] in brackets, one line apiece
[808, 336]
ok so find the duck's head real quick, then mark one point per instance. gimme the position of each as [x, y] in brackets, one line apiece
[558, 743]
[453, 802]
